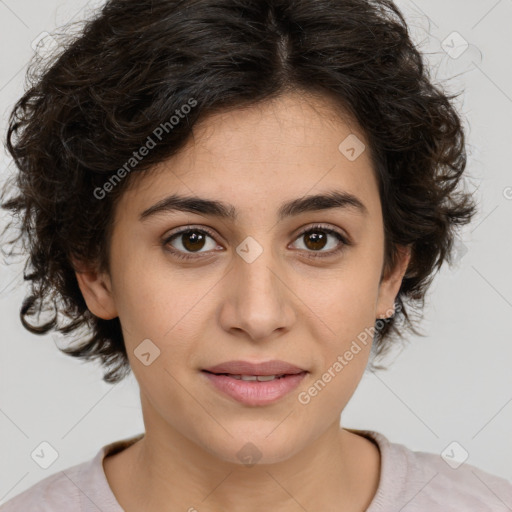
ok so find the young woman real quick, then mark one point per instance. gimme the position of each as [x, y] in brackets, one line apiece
[241, 200]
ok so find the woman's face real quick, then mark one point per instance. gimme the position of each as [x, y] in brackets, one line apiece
[253, 289]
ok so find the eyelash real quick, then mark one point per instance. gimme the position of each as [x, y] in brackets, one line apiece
[317, 227]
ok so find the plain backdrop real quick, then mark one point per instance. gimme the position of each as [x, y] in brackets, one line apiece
[453, 385]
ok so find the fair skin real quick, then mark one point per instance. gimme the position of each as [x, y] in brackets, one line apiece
[217, 307]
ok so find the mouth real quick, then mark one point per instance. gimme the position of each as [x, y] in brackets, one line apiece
[274, 368]
[259, 378]
[255, 384]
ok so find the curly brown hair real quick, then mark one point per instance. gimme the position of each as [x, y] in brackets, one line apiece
[135, 63]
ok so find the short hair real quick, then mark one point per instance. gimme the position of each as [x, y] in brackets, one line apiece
[136, 64]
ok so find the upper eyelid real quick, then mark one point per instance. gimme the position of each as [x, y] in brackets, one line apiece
[191, 227]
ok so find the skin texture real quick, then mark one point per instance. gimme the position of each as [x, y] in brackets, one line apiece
[218, 307]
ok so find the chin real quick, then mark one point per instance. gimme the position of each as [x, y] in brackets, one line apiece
[256, 448]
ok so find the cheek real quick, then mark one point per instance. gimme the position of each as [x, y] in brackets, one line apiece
[324, 398]
[343, 302]
[344, 313]
[151, 296]
[166, 395]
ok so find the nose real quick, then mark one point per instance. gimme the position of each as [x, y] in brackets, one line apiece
[259, 298]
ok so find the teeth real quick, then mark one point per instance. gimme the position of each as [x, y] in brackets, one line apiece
[263, 378]
[260, 378]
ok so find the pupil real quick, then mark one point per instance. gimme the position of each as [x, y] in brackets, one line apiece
[193, 240]
[318, 240]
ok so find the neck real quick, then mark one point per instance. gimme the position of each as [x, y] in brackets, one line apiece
[169, 472]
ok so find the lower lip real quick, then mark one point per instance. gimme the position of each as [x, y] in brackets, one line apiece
[255, 392]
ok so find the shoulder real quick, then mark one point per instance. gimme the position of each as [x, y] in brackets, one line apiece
[81, 487]
[454, 487]
[421, 482]
[55, 493]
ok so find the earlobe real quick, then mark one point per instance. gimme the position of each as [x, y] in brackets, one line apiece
[96, 289]
[391, 282]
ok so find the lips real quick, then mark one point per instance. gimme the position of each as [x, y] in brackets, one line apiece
[255, 384]
[245, 368]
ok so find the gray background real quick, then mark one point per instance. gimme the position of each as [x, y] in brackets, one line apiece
[453, 385]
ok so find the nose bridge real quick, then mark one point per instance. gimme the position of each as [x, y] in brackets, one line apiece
[256, 272]
[262, 300]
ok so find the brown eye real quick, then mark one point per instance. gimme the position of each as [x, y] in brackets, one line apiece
[185, 243]
[193, 240]
[316, 238]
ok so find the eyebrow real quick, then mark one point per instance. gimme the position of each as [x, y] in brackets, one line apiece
[221, 210]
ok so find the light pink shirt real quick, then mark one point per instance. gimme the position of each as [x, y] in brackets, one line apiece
[410, 481]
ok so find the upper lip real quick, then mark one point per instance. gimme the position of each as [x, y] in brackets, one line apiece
[274, 367]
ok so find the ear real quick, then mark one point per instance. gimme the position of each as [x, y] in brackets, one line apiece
[96, 289]
[391, 282]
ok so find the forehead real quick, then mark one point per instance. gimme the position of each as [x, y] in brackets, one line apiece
[289, 147]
